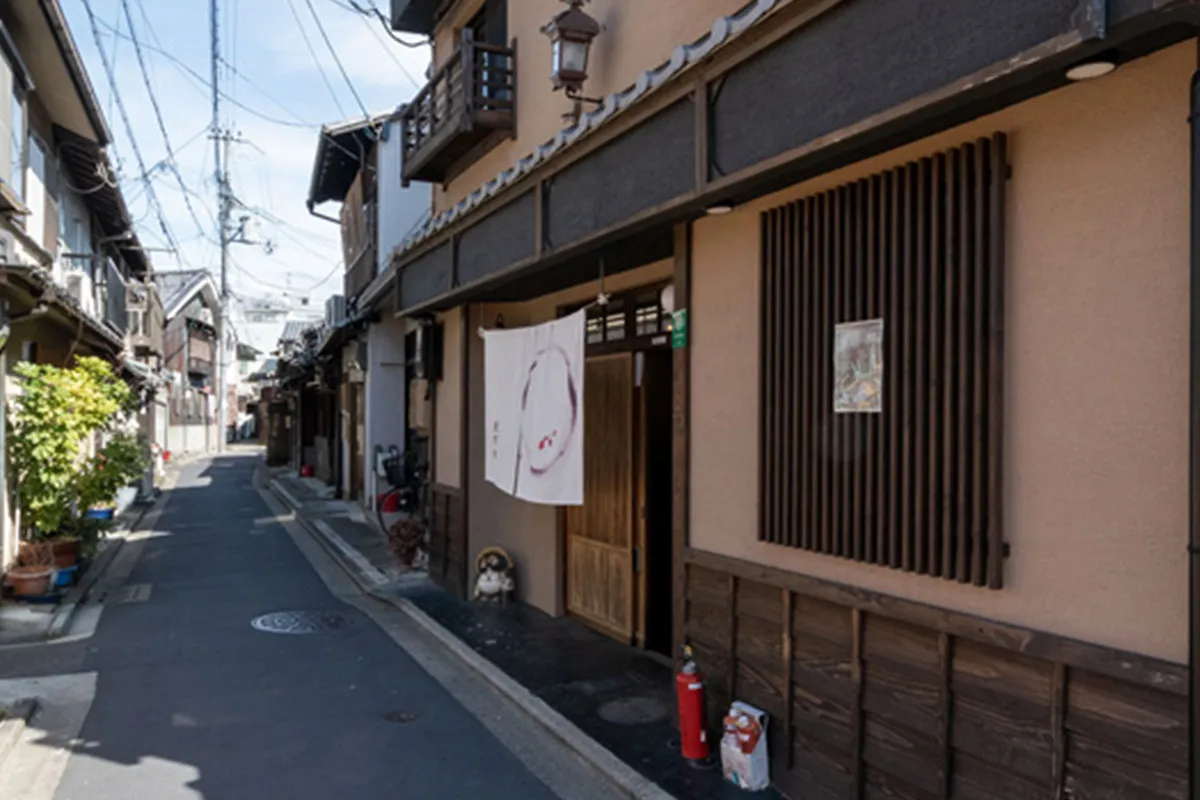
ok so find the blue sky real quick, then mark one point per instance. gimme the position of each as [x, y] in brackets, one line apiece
[273, 72]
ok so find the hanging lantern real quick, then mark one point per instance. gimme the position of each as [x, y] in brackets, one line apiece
[571, 33]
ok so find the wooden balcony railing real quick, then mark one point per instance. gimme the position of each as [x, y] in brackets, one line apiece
[470, 97]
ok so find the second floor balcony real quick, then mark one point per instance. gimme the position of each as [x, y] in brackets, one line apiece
[472, 97]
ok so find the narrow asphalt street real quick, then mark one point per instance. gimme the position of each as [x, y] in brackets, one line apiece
[193, 701]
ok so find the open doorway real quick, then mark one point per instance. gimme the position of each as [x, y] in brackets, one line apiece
[618, 544]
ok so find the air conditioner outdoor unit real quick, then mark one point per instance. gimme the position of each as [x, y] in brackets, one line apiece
[79, 286]
[335, 310]
[8, 247]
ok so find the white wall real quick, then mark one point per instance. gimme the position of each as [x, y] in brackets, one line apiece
[386, 404]
[400, 210]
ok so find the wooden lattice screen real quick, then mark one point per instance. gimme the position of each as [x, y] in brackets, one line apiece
[916, 483]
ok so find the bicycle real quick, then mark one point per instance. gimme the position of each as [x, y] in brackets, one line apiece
[408, 476]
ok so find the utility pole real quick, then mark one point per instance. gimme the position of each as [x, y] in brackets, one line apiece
[221, 172]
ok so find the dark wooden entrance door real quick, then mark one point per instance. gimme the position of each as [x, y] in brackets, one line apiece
[600, 534]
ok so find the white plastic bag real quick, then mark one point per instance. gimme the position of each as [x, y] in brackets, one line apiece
[744, 759]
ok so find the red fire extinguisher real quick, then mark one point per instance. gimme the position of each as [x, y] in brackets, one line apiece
[689, 691]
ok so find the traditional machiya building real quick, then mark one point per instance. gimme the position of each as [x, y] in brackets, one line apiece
[889, 412]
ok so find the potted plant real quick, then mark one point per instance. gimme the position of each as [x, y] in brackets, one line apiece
[55, 414]
[30, 581]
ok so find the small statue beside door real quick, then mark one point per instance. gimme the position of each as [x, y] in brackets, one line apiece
[494, 581]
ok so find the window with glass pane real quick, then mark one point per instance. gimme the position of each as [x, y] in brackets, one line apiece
[647, 318]
[614, 322]
[595, 330]
[16, 145]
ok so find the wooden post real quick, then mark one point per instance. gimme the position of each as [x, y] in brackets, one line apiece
[681, 425]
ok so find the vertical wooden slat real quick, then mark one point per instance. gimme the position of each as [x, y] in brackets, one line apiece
[945, 712]
[782, 446]
[824, 325]
[893, 397]
[767, 348]
[949, 366]
[1058, 730]
[856, 674]
[964, 399]
[977, 512]
[838, 314]
[774, 368]
[855, 426]
[791, 412]
[786, 672]
[998, 173]
[731, 677]
[764, 360]
[937, 250]
[924, 223]
[809, 449]
[904, 366]
[873, 485]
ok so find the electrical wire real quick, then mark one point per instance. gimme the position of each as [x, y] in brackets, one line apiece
[171, 163]
[333, 52]
[152, 197]
[207, 85]
[316, 60]
[251, 276]
[367, 17]
[374, 11]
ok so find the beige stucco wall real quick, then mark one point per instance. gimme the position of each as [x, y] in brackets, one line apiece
[638, 35]
[528, 532]
[448, 436]
[1095, 467]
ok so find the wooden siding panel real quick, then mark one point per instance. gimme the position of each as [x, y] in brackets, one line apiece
[865, 703]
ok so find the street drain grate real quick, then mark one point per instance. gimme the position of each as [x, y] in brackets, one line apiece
[633, 711]
[300, 622]
[401, 717]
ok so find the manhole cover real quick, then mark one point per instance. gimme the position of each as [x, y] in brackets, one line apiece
[298, 622]
[633, 711]
[401, 717]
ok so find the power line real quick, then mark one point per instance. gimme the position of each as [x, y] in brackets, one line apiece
[206, 84]
[172, 162]
[251, 276]
[374, 11]
[152, 197]
[312, 52]
[333, 52]
[367, 17]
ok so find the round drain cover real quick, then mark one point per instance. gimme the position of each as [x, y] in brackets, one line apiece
[633, 711]
[401, 717]
[298, 622]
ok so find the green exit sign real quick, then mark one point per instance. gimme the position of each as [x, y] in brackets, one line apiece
[679, 329]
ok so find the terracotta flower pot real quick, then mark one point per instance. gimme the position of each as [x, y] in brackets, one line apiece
[66, 552]
[30, 581]
[36, 554]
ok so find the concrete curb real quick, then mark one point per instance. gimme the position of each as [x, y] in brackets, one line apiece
[16, 718]
[60, 623]
[64, 615]
[632, 782]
